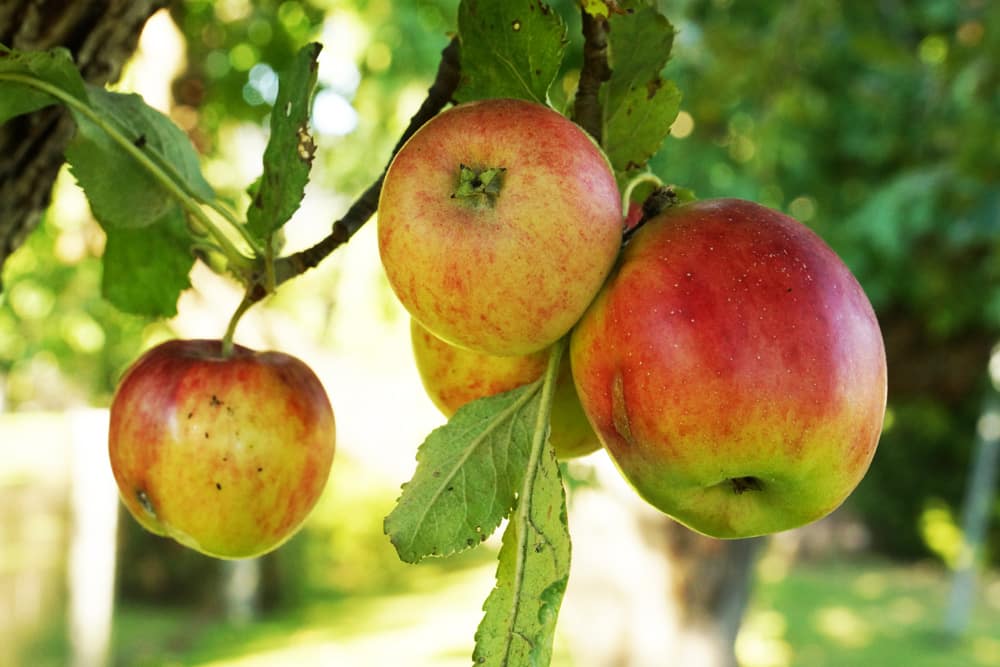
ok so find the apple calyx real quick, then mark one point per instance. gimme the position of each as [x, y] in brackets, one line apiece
[743, 484]
[479, 186]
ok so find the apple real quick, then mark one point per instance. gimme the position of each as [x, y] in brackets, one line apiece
[225, 454]
[454, 376]
[498, 222]
[734, 369]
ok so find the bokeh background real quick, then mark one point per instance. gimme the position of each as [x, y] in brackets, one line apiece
[877, 124]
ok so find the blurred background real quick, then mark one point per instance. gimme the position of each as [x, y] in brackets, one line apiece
[874, 123]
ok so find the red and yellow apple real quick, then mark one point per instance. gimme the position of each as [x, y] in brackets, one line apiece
[225, 454]
[454, 376]
[498, 222]
[734, 369]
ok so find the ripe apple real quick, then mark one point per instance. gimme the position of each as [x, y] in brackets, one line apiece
[226, 455]
[454, 376]
[497, 224]
[734, 369]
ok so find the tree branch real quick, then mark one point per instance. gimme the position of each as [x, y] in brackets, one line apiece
[587, 110]
[438, 96]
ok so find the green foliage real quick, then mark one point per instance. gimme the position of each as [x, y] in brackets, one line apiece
[509, 49]
[521, 612]
[53, 67]
[143, 180]
[468, 472]
[135, 166]
[114, 132]
[137, 285]
[289, 154]
[639, 105]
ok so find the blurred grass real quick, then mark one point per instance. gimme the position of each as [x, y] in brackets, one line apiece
[865, 614]
[839, 614]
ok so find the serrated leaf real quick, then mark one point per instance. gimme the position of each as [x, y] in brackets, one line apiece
[509, 49]
[639, 45]
[520, 613]
[145, 270]
[638, 125]
[123, 192]
[468, 472]
[639, 106]
[289, 153]
[53, 68]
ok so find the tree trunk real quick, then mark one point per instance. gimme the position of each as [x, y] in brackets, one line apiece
[101, 35]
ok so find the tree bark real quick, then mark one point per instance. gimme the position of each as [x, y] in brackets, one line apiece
[101, 35]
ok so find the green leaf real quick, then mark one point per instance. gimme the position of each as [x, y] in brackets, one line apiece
[638, 125]
[289, 153]
[509, 49]
[145, 270]
[54, 68]
[467, 474]
[639, 45]
[520, 613]
[639, 106]
[122, 190]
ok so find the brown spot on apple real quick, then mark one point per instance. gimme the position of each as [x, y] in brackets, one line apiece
[619, 410]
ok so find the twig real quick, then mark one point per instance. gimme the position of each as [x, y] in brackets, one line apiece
[594, 72]
[439, 95]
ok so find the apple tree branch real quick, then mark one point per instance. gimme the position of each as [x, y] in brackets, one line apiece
[439, 95]
[595, 71]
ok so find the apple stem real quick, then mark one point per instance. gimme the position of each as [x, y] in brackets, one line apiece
[647, 177]
[659, 200]
[227, 339]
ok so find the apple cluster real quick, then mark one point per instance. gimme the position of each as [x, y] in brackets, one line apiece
[724, 356]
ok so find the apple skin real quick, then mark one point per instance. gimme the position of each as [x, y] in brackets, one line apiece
[453, 376]
[506, 272]
[225, 455]
[734, 369]
[633, 216]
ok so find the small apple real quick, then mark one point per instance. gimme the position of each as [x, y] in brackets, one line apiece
[453, 376]
[497, 224]
[225, 454]
[734, 369]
